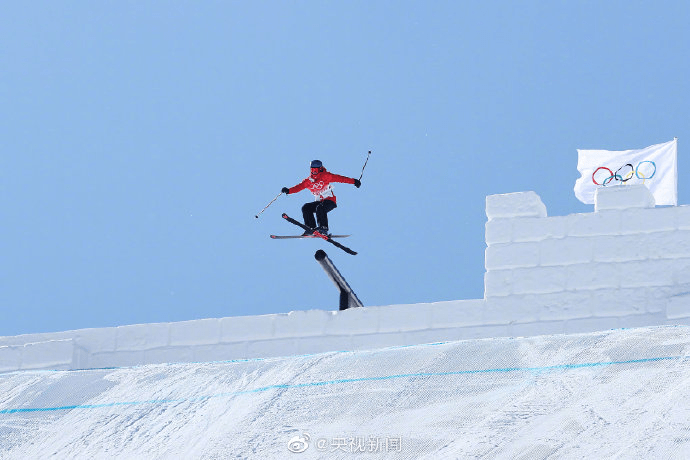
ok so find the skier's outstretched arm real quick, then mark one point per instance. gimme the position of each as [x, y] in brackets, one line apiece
[345, 180]
[299, 187]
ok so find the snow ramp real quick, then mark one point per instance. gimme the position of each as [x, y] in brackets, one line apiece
[614, 394]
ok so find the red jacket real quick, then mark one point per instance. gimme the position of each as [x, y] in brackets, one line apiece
[320, 185]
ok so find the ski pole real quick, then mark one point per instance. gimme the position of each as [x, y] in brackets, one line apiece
[266, 207]
[365, 165]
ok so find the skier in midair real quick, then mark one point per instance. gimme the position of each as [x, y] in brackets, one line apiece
[319, 184]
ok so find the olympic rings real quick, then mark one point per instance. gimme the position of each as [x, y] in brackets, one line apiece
[623, 175]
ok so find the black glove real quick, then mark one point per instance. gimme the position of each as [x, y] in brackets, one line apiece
[358, 183]
[285, 190]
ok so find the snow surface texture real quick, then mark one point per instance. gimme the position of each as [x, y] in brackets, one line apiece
[625, 265]
[615, 394]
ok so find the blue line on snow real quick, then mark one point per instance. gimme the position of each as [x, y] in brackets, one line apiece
[344, 381]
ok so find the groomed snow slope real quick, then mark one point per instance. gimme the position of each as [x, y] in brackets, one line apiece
[621, 393]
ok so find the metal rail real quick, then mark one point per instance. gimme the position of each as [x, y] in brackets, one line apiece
[348, 299]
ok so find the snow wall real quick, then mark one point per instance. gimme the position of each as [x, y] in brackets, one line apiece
[613, 394]
[625, 265]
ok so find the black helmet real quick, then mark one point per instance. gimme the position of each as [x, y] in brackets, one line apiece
[316, 164]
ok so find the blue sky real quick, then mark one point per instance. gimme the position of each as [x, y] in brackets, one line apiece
[139, 139]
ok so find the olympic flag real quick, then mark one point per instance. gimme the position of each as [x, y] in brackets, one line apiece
[655, 167]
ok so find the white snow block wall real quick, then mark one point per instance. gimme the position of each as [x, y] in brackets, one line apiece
[49, 354]
[625, 265]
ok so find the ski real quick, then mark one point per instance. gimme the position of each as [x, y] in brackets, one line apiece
[287, 237]
[317, 234]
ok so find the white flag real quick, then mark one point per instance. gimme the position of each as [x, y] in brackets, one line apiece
[654, 166]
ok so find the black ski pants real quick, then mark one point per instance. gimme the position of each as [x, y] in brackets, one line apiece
[321, 209]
